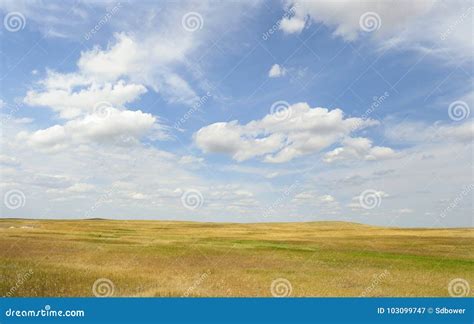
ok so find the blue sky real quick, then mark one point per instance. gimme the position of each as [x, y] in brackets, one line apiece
[238, 111]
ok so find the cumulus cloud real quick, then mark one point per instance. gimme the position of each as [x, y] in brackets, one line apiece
[108, 80]
[292, 25]
[70, 104]
[305, 130]
[148, 61]
[101, 74]
[119, 127]
[276, 71]
[359, 149]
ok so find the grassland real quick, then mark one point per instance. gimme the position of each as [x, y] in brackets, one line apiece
[160, 258]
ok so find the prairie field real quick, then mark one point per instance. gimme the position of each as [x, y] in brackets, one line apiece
[173, 259]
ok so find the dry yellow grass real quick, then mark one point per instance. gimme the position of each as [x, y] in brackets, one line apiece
[160, 258]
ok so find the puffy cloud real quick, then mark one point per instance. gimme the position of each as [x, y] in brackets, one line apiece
[276, 71]
[101, 74]
[70, 104]
[359, 148]
[148, 61]
[120, 127]
[292, 25]
[304, 130]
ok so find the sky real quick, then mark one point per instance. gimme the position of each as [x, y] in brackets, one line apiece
[238, 111]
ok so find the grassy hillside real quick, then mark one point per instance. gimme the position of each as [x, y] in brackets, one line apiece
[158, 258]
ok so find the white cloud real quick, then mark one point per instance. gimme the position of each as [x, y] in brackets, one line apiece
[70, 104]
[8, 160]
[81, 188]
[189, 159]
[138, 196]
[430, 26]
[148, 61]
[376, 197]
[306, 130]
[357, 149]
[313, 196]
[292, 25]
[344, 16]
[420, 132]
[276, 71]
[118, 127]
